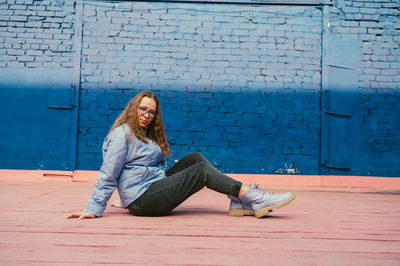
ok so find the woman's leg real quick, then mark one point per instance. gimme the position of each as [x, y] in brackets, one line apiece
[165, 195]
[185, 162]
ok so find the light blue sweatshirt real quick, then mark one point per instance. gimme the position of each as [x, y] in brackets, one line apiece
[130, 165]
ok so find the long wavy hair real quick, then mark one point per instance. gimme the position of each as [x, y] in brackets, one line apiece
[155, 131]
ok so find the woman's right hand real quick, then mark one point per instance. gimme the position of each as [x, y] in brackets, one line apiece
[80, 215]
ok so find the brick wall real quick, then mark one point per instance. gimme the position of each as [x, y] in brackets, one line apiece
[36, 34]
[240, 83]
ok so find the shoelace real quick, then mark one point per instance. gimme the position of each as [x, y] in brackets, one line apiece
[267, 193]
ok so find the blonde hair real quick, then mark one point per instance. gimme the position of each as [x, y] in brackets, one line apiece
[155, 131]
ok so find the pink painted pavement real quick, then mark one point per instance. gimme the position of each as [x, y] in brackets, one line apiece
[323, 226]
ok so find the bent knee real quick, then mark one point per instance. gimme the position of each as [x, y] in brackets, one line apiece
[196, 155]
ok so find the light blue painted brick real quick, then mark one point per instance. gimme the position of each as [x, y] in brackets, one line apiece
[17, 7]
[380, 65]
[9, 34]
[15, 40]
[34, 52]
[26, 35]
[15, 52]
[62, 36]
[45, 13]
[43, 36]
[44, 59]
[8, 58]
[15, 64]
[384, 78]
[394, 65]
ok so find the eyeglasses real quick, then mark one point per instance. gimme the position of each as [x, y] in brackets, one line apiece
[144, 111]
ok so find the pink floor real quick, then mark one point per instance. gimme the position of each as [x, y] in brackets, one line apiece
[323, 226]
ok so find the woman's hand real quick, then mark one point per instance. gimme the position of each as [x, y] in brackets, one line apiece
[80, 215]
[116, 204]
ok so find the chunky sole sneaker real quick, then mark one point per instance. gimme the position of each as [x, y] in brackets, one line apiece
[240, 207]
[265, 211]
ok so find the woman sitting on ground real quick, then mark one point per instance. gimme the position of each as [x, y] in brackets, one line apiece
[133, 156]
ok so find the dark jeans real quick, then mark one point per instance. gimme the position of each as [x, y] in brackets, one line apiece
[184, 178]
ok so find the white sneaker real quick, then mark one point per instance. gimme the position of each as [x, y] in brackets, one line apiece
[263, 202]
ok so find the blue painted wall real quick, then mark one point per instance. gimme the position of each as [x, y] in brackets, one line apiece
[247, 85]
[241, 85]
[250, 131]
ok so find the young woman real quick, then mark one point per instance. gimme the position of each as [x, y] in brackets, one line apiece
[133, 154]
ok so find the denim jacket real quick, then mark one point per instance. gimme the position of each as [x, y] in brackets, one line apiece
[130, 165]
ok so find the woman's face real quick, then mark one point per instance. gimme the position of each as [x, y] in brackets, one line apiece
[146, 111]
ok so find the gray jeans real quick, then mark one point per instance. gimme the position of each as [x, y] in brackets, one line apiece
[188, 176]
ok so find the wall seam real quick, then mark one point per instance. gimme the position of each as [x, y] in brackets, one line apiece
[77, 80]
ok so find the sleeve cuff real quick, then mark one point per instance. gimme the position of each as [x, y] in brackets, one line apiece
[96, 210]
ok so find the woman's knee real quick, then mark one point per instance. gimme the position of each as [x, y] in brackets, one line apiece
[196, 155]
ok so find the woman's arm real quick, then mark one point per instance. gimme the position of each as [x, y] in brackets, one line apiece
[114, 158]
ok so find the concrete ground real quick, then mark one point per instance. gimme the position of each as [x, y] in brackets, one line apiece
[322, 226]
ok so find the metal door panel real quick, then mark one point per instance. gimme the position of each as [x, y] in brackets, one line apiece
[36, 118]
[343, 52]
[341, 106]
